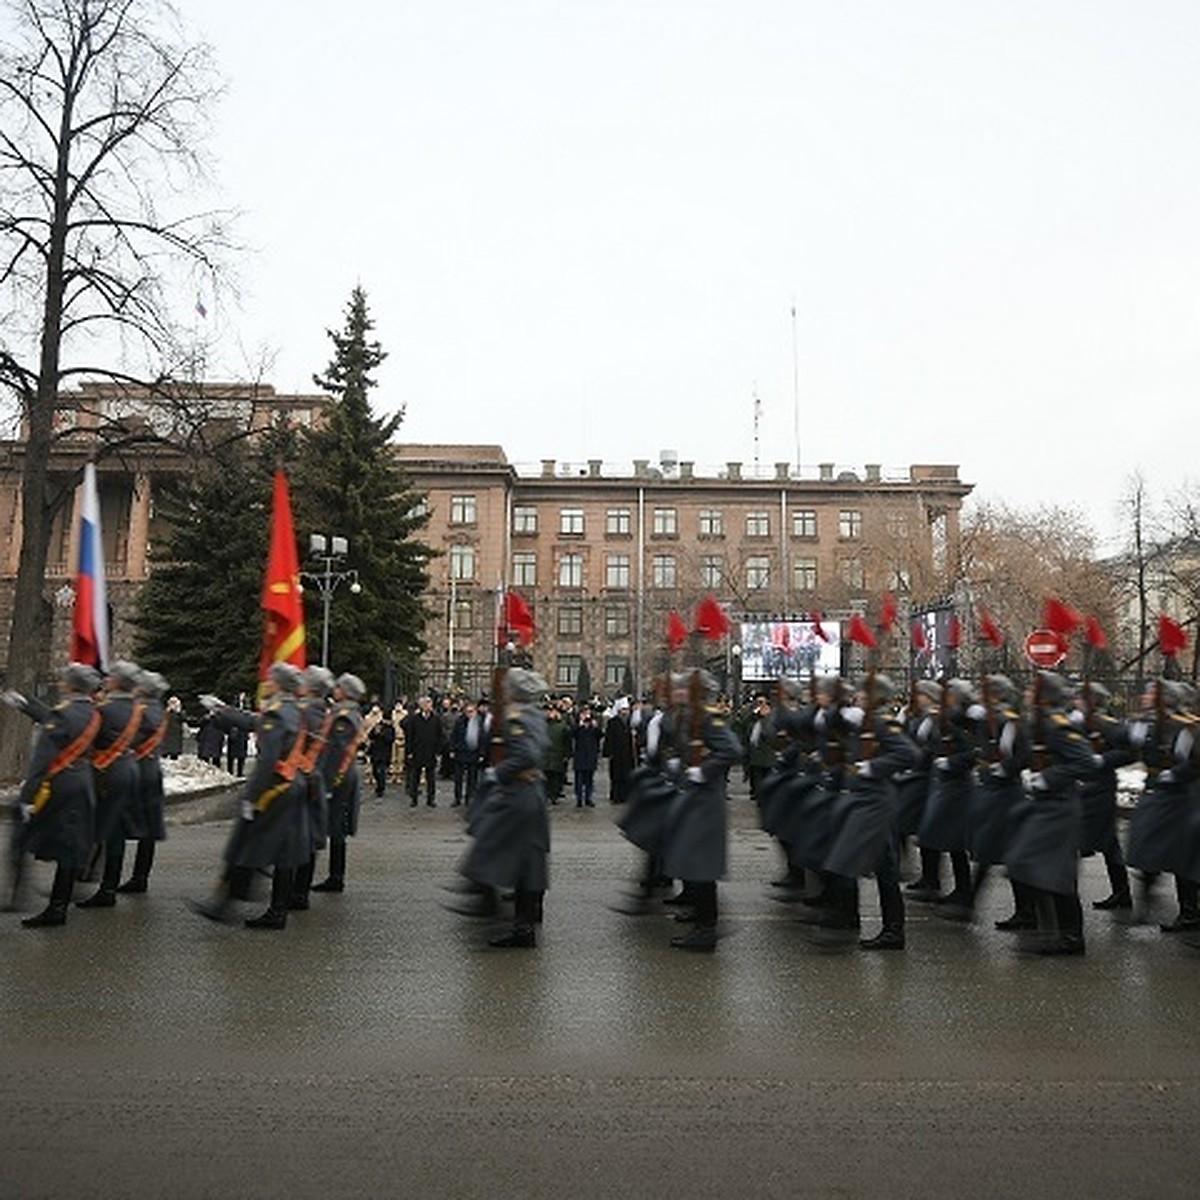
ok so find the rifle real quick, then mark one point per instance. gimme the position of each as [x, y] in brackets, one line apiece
[496, 743]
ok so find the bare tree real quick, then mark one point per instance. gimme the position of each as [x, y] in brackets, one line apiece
[103, 105]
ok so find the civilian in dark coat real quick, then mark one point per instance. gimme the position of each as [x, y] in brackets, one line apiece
[172, 742]
[585, 757]
[58, 796]
[424, 740]
[618, 749]
[210, 740]
[381, 739]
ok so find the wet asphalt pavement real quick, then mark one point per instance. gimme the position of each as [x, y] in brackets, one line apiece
[378, 1048]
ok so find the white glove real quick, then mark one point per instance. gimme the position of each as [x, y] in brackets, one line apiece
[12, 699]
[210, 701]
[1037, 781]
[490, 776]
[1077, 718]
[853, 716]
[996, 770]
[976, 712]
[1166, 777]
[1097, 760]
[26, 812]
[942, 764]
[925, 730]
[863, 770]
[1138, 731]
[248, 811]
[674, 766]
[695, 774]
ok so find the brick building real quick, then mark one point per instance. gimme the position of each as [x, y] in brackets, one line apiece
[601, 552]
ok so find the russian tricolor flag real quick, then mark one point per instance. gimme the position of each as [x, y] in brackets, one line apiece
[89, 636]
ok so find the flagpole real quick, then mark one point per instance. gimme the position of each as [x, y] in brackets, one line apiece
[795, 388]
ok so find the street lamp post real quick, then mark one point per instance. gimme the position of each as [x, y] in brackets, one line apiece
[329, 553]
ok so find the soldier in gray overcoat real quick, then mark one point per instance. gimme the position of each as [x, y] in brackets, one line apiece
[56, 804]
[316, 716]
[1044, 852]
[272, 831]
[116, 775]
[338, 766]
[696, 832]
[146, 820]
[509, 824]
[865, 814]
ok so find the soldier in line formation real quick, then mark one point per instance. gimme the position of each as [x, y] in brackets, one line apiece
[302, 794]
[94, 779]
[976, 779]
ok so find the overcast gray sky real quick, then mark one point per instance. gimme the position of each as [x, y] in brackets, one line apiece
[582, 226]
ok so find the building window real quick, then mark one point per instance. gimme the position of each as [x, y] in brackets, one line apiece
[462, 562]
[711, 524]
[524, 518]
[570, 522]
[614, 673]
[618, 522]
[758, 572]
[616, 571]
[570, 571]
[662, 571]
[850, 523]
[616, 621]
[901, 579]
[462, 510]
[462, 616]
[804, 523]
[665, 522]
[570, 621]
[566, 672]
[711, 572]
[758, 524]
[524, 568]
[804, 574]
[853, 575]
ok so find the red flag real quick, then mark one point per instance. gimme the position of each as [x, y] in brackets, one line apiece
[1060, 618]
[676, 631]
[1095, 635]
[989, 630]
[517, 618]
[711, 621]
[920, 642]
[814, 618]
[888, 613]
[954, 632]
[283, 630]
[1171, 636]
[860, 632]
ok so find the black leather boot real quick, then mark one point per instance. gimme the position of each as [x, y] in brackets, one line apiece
[106, 895]
[298, 900]
[143, 860]
[275, 916]
[337, 869]
[55, 913]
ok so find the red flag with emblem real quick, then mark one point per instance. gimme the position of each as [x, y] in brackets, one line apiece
[888, 613]
[517, 618]
[1095, 634]
[282, 599]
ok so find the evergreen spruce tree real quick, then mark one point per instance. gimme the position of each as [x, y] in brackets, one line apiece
[198, 617]
[348, 484]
